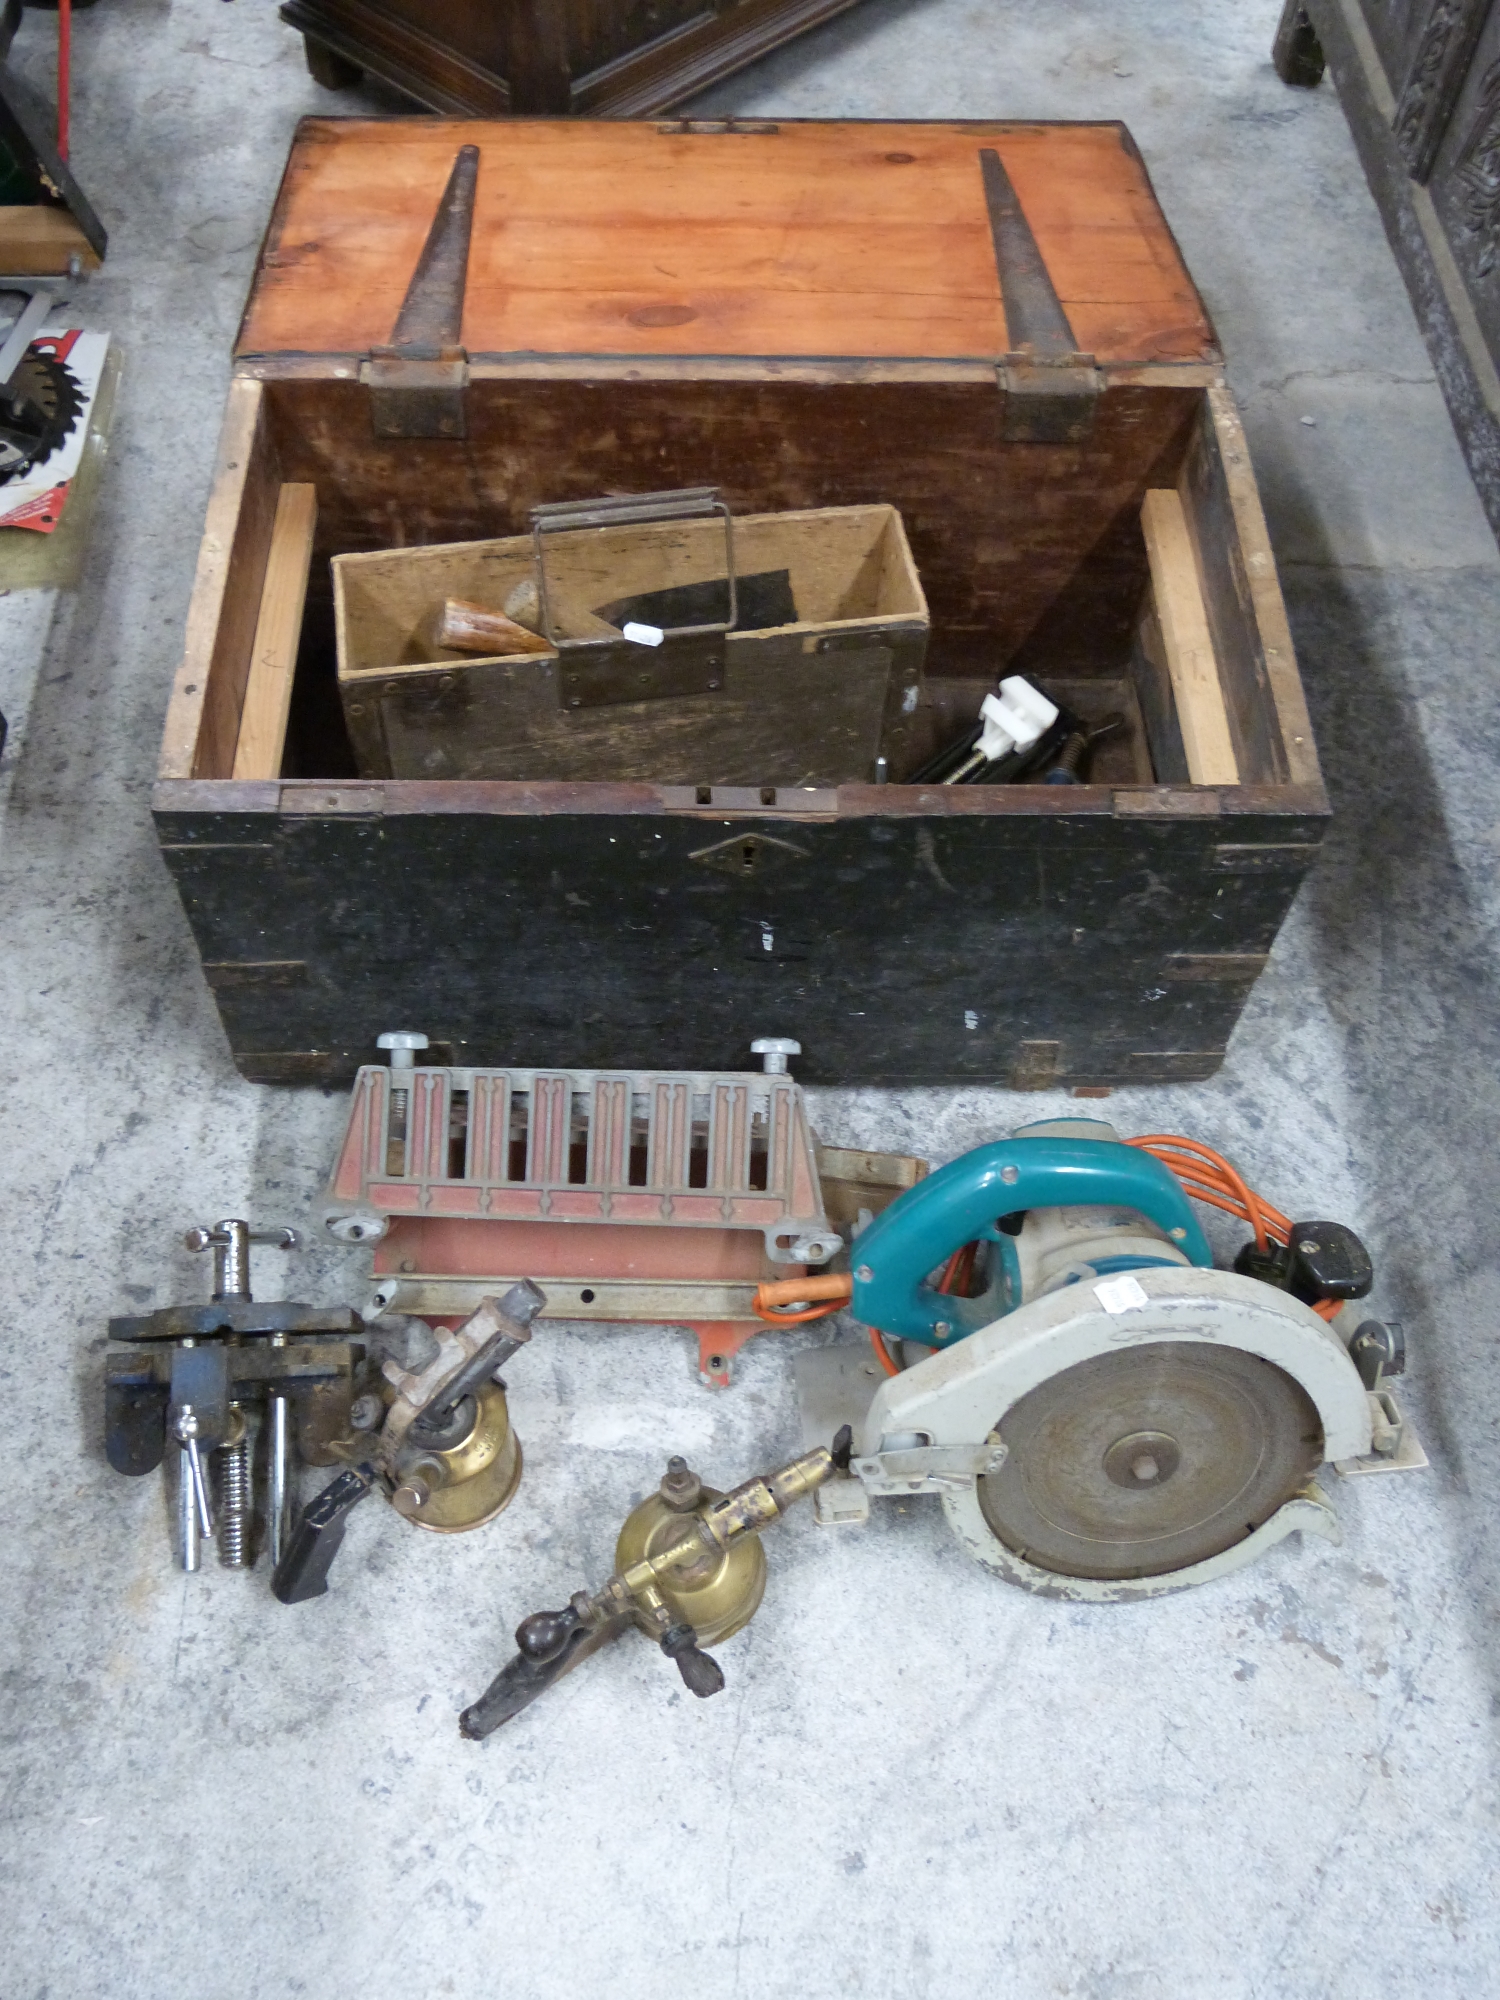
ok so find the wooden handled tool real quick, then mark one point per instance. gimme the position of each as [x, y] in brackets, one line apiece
[463, 627]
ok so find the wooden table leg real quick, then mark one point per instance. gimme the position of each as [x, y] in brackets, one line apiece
[1296, 51]
[328, 67]
[541, 84]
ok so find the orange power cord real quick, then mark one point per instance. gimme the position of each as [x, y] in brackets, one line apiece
[1205, 1174]
[1209, 1177]
[817, 1297]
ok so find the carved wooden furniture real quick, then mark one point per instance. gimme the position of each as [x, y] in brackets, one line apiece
[1419, 81]
[617, 58]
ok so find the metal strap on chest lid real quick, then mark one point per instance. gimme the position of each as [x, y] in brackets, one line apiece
[417, 383]
[1051, 390]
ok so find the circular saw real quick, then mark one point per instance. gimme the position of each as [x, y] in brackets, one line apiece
[1103, 1413]
[39, 407]
[40, 399]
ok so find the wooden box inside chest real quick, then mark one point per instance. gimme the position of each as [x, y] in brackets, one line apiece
[812, 694]
[987, 328]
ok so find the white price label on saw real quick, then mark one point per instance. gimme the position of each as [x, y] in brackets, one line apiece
[1121, 1295]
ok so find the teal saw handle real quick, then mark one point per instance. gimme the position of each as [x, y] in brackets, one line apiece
[923, 1227]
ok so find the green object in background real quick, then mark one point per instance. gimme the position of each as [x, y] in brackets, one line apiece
[18, 188]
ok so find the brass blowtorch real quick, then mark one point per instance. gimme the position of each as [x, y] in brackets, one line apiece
[689, 1571]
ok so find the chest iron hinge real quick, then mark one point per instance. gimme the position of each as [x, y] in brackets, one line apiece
[1050, 390]
[417, 382]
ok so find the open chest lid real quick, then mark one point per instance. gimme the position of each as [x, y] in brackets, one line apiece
[539, 245]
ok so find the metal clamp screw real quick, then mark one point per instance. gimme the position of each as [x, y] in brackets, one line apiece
[230, 1242]
[403, 1047]
[774, 1050]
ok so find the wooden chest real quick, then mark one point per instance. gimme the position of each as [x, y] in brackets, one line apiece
[985, 326]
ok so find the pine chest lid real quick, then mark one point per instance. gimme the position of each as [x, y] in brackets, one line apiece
[760, 242]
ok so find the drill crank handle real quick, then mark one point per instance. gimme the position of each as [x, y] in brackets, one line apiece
[303, 1569]
[551, 1644]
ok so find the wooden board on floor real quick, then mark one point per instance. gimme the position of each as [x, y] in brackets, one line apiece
[42, 241]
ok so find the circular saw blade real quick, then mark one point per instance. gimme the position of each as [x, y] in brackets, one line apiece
[1141, 1462]
[39, 408]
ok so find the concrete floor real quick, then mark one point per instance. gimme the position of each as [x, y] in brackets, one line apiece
[919, 1783]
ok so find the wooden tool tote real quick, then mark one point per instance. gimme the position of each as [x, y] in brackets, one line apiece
[823, 692]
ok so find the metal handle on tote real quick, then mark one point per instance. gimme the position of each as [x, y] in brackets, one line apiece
[687, 503]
